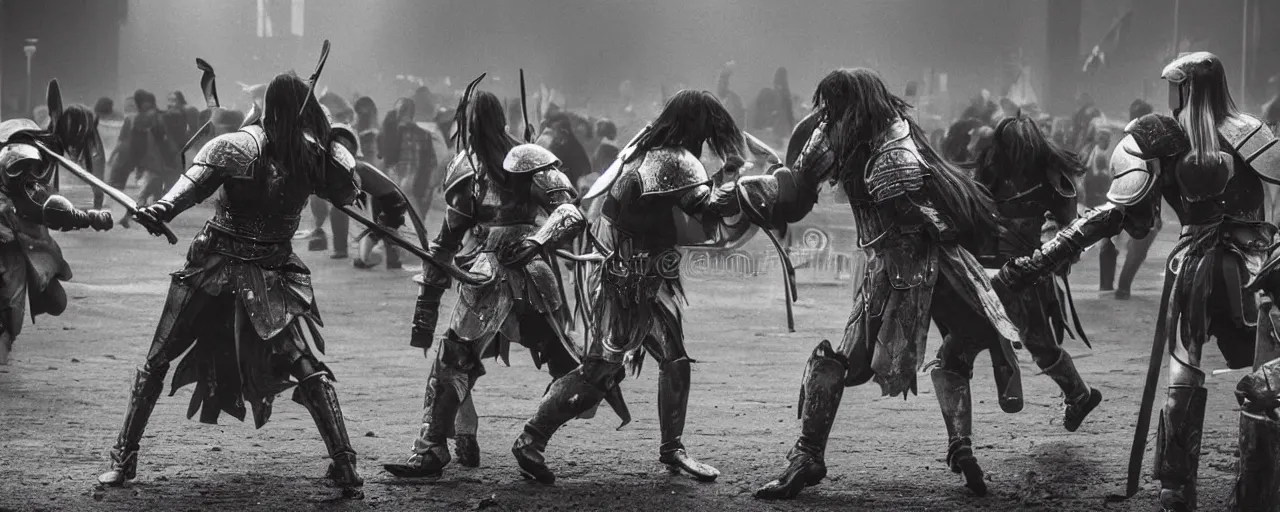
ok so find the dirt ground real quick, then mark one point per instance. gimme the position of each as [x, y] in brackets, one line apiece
[63, 395]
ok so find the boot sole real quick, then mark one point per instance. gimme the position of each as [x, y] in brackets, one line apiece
[407, 472]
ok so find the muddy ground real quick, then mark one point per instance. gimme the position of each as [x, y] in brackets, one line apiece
[63, 395]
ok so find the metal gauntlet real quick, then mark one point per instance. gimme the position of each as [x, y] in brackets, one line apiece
[59, 214]
[426, 313]
[1094, 225]
[563, 224]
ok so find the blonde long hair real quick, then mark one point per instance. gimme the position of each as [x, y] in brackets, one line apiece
[1206, 104]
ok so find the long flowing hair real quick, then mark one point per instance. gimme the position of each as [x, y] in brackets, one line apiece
[859, 110]
[689, 120]
[73, 134]
[1207, 103]
[488, 137]
[287, 130]
[1020, 150]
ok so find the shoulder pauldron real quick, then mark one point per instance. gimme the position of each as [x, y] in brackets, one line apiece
[552, 180]
[667, 170]
[236, 152]
[894, 172]
[459, 170]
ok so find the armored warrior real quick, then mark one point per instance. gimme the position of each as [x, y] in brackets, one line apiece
[1257, 484]
[243, 307]
[389, 206]
[31, 263]
[919, 219]
[656, 196]
[1208, 163]
[1032, 181]
[500, 188]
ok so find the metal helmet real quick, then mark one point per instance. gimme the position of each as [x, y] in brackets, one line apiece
[344, 131]
[1192, 66]
[527, 158]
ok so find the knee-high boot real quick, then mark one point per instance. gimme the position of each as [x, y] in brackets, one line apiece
[316, 393]
[1108, 253]
[147, 385]
[465, 425]
[954, 398]
[568, 397]
[446, 390]
[673, 403]
[1080, 399]
[1177, 459]
[820, 395]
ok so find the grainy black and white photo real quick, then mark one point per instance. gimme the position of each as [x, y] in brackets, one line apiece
[640, 255]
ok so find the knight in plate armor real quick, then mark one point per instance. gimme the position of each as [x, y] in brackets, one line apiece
[242, 309]
[920, 220]
[1208, 162]
[1032, 183]
[500, 187]
[655, 197]
[31, 264]
[1257, 484]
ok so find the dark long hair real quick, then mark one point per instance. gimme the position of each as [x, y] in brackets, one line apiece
[689, 120]
[487, 135]
[286, 130]
[1020, 150]
[859, 110]
[365, 104]
[73, 134]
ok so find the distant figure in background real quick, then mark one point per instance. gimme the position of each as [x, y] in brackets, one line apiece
[41, 116]
[366, 128]
[784, 115]
[109, 125]
[339, 109]
[981, 108]
[558, 136]
[408, 153]
[142, 148]
[339, 112]
[732, 102]
[1135, 248]
[181, 121]
[425, 102]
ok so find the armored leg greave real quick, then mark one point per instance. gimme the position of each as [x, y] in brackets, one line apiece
[465, 425]
[147, 386]
[321, 400]
[1258, 478]
[957, 413]
[447, 389]
[569, 396]
[673, 403]
[1177, 457]
[820, 395]
[1080, 399]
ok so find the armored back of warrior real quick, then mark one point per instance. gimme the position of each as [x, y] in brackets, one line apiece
[260, 199]
[641, 203]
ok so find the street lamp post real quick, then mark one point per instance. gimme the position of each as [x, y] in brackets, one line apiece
[30, 50]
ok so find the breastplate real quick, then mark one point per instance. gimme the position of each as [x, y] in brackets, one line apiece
[647, 221]
[1243, 198]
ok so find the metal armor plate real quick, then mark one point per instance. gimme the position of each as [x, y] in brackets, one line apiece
[342, 156]
[236, 152]
[529, 158]
[13, 127]
[1132, 177]
[1200, 182]
[550, 181]
[1255, 143]
[668, 170]
[459, 170]
[894, 172]
[18, 158]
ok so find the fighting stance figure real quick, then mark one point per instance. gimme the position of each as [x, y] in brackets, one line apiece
[919, 218]
[1206, 162]
[654, 198]
[499, 187]
[1257, 485]
[388, 205]
[243, 304]
[1031, 179]
[31, 263]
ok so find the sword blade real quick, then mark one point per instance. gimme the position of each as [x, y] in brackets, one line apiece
[120, 197]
